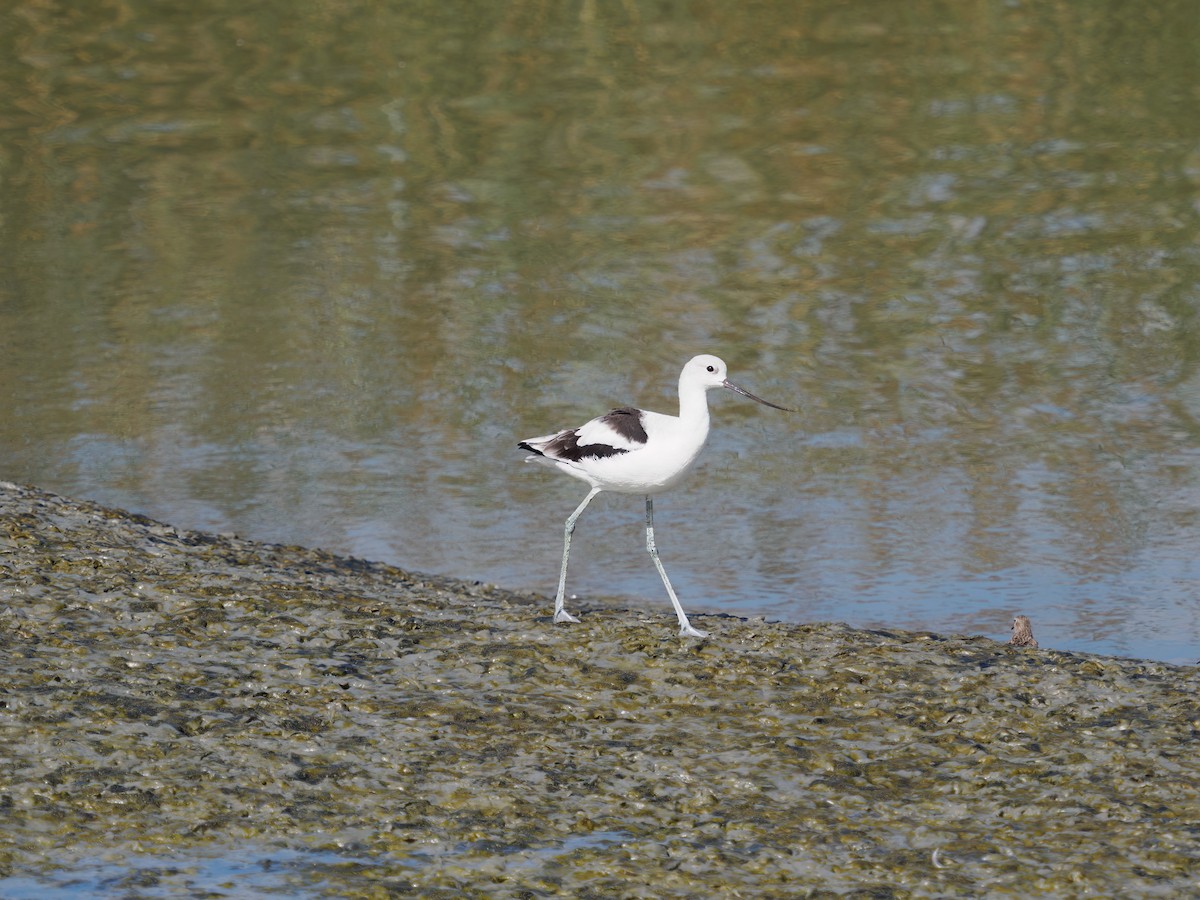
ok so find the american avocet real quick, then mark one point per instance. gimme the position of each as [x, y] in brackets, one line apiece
[633, 451]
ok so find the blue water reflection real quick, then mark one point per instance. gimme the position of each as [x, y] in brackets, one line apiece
[309, 280]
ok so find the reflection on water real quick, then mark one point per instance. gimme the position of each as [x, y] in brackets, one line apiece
[309, 275]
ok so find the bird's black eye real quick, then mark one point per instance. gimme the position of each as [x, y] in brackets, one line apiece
[712, 368]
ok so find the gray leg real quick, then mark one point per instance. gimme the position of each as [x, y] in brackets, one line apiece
[685, 627]
[560, 614]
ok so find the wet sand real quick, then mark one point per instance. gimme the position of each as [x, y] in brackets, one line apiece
[170, 698]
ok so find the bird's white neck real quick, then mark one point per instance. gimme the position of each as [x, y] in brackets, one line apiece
[693, 405]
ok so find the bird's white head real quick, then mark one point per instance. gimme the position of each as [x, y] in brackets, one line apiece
[709, 372]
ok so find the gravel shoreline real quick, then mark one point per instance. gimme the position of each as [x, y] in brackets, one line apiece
[169, 697]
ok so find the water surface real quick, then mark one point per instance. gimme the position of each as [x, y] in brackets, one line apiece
[308, 273]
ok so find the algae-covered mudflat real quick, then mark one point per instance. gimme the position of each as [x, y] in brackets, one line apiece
[190, 714]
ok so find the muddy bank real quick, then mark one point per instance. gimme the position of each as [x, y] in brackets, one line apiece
[171, 702]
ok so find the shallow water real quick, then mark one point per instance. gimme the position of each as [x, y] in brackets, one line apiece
[308, 276]
[236, 873]
[258, 871]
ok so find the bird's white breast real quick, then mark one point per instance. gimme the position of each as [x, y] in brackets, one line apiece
[671, 449]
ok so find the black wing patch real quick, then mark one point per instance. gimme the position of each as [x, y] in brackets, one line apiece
[566, 446]
[626, 422]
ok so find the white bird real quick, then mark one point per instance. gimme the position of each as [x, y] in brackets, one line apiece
[634, 451]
